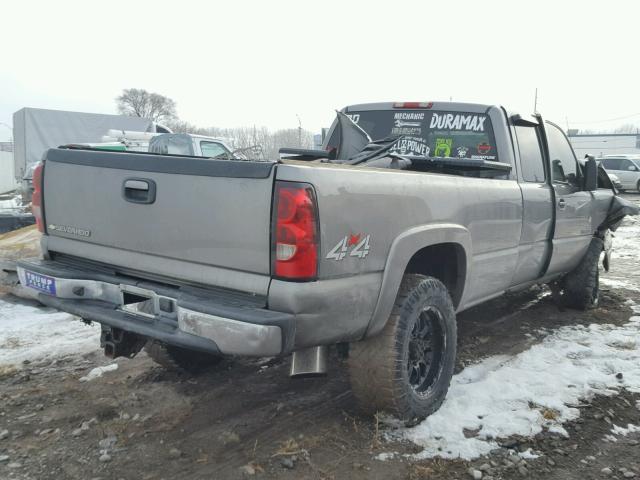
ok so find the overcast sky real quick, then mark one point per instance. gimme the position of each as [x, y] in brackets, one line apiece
[241, 63]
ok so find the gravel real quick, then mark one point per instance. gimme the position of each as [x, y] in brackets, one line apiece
[475, 474]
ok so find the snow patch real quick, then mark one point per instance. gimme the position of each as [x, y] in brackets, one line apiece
[384, 456]
[37, 333]
[538, 388]
[528, 454]
[98, 372]
[617, 283]
[616, 430]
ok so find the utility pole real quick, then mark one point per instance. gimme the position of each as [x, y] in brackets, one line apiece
[299, 131]
[535, 102]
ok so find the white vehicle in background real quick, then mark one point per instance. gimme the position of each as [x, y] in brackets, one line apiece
[191, 145]
[615, 181]
[174, 144]
[626, 168]
[202, 146]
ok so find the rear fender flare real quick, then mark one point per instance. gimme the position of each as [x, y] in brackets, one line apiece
[402, 249]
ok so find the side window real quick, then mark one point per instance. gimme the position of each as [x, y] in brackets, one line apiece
[627, 165]
[531, 160]
[611, 163]
[564, 167]
[213, 150]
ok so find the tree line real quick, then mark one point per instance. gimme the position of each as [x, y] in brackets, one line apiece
[256, 141]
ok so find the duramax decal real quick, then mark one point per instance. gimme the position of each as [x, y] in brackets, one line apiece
[357, 243]
[449, 121]
[443, 147]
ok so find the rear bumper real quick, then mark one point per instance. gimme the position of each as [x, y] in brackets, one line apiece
[216, 322]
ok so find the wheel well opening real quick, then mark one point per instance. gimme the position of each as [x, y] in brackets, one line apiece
[446, 262]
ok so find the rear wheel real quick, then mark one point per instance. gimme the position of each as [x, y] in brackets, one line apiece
[176, 358]
[407, 368]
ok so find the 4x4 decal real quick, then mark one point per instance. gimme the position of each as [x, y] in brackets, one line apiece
[357, 243]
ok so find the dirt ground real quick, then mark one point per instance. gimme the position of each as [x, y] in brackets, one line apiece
[246, 418]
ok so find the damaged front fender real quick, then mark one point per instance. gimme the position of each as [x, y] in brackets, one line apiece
[618, 209]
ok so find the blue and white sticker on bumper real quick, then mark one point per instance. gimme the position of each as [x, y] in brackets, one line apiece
[40, 282]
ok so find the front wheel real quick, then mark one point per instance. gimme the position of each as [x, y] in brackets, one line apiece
[581, 287]
[406, 369]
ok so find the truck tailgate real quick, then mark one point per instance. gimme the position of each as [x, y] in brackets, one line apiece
[136, 207]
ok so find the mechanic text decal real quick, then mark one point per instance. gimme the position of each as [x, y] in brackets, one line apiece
[354, 245]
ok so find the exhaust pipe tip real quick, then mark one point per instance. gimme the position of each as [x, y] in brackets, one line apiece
[309, 362]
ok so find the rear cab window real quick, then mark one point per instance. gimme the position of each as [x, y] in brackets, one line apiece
[213, 150]
[531, 157]
[431, 133]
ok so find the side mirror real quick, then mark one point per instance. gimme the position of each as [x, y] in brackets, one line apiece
[590, 174]
[631, 168]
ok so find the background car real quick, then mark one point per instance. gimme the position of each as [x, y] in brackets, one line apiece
[616, 181]
[627, 169]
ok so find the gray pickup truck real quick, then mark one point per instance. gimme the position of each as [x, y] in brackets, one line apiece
[413, 212]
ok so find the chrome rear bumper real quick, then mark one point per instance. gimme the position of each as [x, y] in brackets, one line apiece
[189, 322]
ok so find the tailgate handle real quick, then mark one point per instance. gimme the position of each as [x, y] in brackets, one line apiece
[139, 190]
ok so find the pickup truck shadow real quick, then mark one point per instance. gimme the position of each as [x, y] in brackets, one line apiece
[246, 412]
[257, 403]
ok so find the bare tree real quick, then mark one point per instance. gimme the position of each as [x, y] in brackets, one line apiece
[137, 102]
[269, 142]
[627, 128]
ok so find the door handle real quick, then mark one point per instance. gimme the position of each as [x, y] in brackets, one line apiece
[139, 190]
[562, 203]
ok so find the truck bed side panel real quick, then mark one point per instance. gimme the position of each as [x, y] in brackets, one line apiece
[382, 204]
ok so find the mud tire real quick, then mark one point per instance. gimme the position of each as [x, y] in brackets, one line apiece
[581, 287]
[180, 359]
[380, 367]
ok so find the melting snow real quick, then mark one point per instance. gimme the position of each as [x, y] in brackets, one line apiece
[505, 396]
[33, 333]
[98, 371]
[616, 430]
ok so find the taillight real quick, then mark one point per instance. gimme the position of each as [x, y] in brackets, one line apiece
[413, 105]
[295, 232]
[36, 198]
